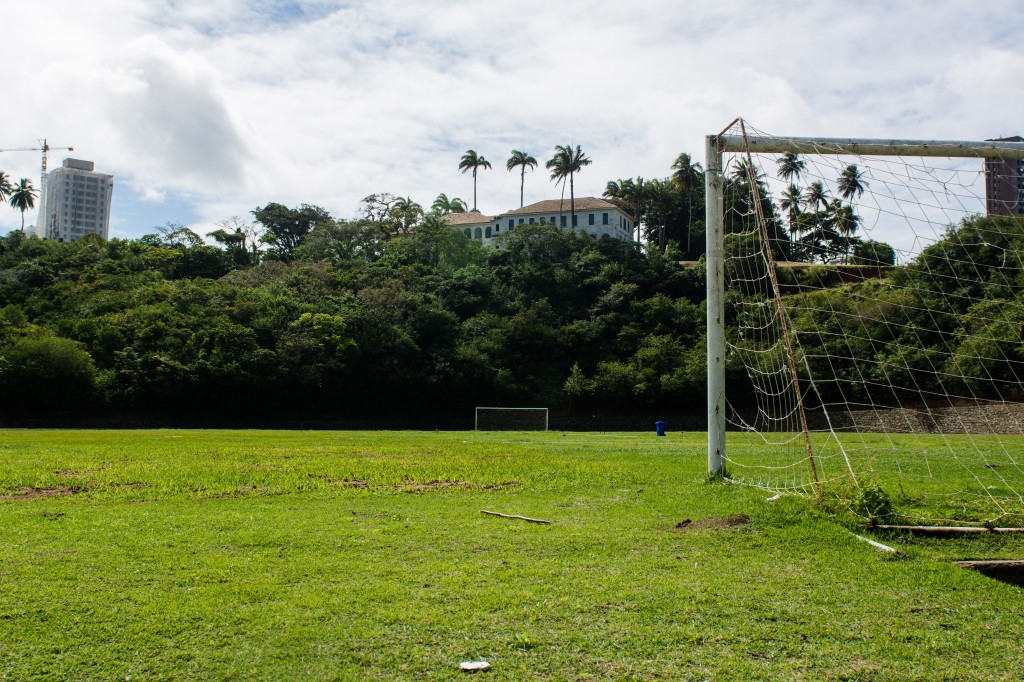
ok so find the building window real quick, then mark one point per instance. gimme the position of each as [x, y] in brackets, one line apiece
[575, 220]
[563, 221]
[511, 223]
[521, 221]
[487, 232]
[553, 221]
[604, 218]
[531, 221]
[590, 219]
[477, 233]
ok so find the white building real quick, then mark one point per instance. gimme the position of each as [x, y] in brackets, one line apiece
[596, 217]
[75, 202]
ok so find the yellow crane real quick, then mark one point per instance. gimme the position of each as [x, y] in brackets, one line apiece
[42, 180]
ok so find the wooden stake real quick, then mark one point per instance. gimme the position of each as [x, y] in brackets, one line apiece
[513, 516]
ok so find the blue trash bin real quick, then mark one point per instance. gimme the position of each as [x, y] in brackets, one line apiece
[659, 427]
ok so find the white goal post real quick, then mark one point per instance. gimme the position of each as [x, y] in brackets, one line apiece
[511, 419]
[906, 193]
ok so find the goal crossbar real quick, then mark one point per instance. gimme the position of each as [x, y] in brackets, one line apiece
[853, 146]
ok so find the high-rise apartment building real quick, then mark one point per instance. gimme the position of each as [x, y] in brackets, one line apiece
[75, 202]
[1004, 183]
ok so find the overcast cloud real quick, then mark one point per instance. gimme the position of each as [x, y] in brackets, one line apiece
[204, 109]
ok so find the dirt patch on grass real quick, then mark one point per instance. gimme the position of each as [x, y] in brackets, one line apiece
[501, 486]
[411, 486]
[36, 493]
[731, 521]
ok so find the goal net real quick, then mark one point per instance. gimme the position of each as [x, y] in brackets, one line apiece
[511, 419]
[866, 315]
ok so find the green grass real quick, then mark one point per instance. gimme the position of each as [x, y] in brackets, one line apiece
[322, 555]
[935, 480]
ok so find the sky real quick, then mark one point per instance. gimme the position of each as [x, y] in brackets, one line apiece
[207, 109]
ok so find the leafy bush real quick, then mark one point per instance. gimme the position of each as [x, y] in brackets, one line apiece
[41, 372]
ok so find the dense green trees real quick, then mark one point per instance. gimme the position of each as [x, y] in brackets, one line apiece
[348, 322]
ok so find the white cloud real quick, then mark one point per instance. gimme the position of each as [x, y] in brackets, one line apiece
[233, 103]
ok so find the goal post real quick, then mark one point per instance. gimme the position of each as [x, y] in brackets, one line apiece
[854, 364]
[511, 419]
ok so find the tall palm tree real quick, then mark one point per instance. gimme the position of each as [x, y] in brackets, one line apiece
[816, 194]
[791, 166]
[851, 183]
[443, 205]
[5, 186]
[791, 201]
[472, 161]
[565, 164]
[686, 173]
[23, 197]
[523, 160]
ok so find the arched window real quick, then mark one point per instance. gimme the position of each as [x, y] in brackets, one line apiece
[477, 233]
[487, 232]
[469, 232]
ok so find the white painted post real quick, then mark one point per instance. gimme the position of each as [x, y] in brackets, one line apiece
[715, 261]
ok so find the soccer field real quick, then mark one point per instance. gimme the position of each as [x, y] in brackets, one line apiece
[364, 555]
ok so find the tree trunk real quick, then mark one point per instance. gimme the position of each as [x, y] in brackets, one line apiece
[522, 182]
[474, 189]
[572, 205]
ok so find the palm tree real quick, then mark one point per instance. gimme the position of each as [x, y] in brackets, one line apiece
[521, 159]
[23, 197]
[851, 183]
[745, 171]
[443, 205]
[470, 160]
[791, 166]
[631, 195]
[686, 175]
[408, 213]
[565, 164]
[816, 194]
[791, 201]
[5, 186]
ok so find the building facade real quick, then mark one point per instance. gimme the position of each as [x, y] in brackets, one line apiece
[75, 202]
[595, 217]
[1004, 183]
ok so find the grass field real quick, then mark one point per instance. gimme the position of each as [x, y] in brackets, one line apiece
[335, 556]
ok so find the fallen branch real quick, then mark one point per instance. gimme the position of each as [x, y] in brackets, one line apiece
[513, 516]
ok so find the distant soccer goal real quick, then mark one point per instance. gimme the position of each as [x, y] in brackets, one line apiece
[511, 419]
[866, 301]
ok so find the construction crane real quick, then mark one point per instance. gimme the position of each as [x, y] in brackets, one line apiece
[42, 180]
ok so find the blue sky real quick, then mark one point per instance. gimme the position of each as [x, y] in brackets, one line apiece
[205, 109]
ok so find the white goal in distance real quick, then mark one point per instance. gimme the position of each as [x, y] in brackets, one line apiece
[845, 368]
[511, 419]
